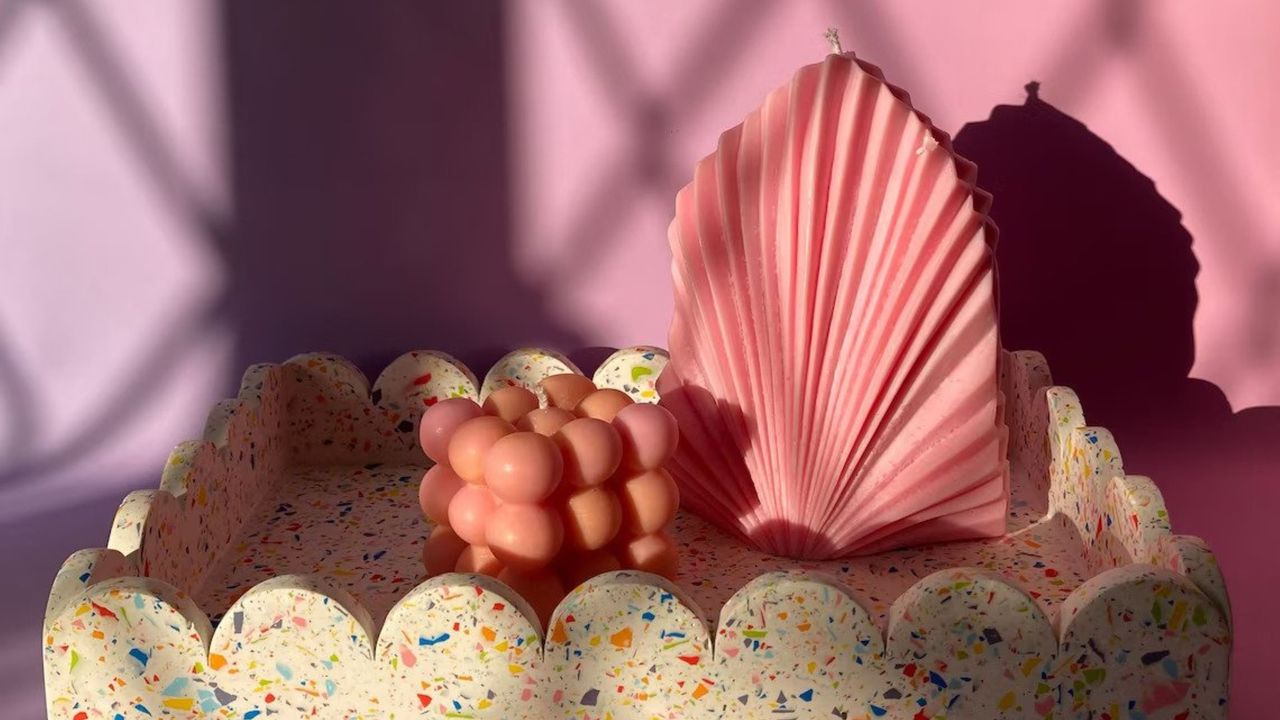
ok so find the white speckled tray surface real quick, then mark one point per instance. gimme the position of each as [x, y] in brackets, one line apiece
[278, 572]
[306, 527]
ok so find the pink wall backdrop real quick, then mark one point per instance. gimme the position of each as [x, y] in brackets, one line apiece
[186, 188]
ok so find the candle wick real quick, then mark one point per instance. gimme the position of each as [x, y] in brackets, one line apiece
[833, 36]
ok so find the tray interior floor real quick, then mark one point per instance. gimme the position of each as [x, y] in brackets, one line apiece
[360, 527]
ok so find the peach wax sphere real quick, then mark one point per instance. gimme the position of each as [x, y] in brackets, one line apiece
[649, 501]
[478, 559]
[470, 512]
[591, 451]
[649, 435]
[577, 568]
[654, 553]
[511, 403]
[471, 442]
[436, 491]
[441, 551]
[545, 421]
[566, 390]
[603, 404]
[523, 467]
[525, 537]
[540, 588]
[439, 423]
[592, 517]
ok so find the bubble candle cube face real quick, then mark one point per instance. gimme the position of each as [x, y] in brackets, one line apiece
[549, 497]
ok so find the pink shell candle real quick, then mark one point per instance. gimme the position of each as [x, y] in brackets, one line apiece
[833, 343]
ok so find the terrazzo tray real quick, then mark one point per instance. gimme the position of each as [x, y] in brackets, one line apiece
[276, 572]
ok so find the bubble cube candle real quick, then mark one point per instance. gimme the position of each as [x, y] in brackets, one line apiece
[544, 498]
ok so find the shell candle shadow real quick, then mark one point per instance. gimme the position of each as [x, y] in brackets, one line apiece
[1098, 272]
[1074, 213]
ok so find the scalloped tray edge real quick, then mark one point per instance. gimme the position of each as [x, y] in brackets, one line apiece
[793, 642]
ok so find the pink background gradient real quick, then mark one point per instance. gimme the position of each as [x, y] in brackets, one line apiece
[186, 188]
